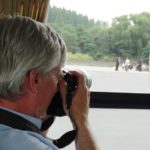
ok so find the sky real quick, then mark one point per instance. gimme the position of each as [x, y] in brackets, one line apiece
[104, 10]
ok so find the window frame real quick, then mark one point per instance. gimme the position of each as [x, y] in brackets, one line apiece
[120, 100]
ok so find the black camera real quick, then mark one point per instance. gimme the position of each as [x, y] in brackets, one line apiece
[56, 107]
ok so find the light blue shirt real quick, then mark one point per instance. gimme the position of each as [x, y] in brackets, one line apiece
[15, 139]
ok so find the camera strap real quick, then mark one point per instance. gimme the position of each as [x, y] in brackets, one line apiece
[18, 122]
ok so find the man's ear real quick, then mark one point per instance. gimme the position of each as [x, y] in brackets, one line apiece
[33, 80]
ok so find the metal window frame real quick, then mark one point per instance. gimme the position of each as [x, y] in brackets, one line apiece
[120, 100]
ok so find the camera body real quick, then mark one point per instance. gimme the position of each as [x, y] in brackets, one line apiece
[56, 107]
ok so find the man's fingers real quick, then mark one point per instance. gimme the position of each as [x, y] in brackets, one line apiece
[80, 78]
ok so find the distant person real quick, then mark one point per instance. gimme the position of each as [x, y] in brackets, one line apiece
[117, 63]
[127, 64]
[144, 67]
[139, 66]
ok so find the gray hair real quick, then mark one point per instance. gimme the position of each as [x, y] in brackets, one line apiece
[26, 44]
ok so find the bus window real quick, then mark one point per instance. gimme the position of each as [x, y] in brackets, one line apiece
[111, 41]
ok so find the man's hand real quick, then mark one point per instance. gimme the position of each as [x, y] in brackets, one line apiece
[78, 111]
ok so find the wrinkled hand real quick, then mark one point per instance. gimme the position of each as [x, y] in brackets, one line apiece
[78, 111]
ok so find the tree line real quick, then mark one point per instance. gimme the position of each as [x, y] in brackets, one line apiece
[126, 36]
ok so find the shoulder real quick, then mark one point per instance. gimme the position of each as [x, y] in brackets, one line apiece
[24, 140]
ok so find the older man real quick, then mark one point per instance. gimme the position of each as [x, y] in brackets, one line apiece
[31, 58]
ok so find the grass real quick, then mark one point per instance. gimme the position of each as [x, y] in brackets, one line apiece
[85, 59]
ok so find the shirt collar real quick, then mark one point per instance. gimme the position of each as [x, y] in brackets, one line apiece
[34, 120]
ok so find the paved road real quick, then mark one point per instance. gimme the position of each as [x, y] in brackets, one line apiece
[106, 79]
[114, 129]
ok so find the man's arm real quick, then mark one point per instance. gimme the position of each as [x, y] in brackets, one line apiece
[84, 140]
[78, 114]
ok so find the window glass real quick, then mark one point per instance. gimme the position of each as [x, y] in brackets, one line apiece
[109, 39]
[113, 129]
